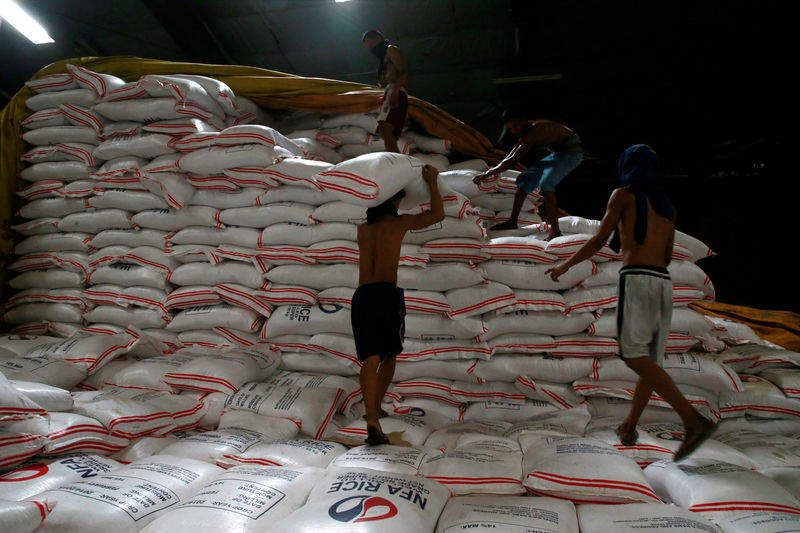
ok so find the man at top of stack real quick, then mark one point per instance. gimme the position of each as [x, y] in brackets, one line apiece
[543, 174]
[393, 76]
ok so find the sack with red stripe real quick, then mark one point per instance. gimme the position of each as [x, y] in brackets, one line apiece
[760, 398]
[351, 388]
[224, 272]
[434, 413]
[718, 490]
[212, 316]
[511, 513]
[51, 99]
[50, 312]
[430, 327]
[52, 82]
[24, 517]
[536, 322]
[129, 276]
[281, 491]
[554, 369]
[566, 245]
[46, 188]
[311, 408]
[238, 431]
[215, 160]
[318, 152]
[633, 517]
[201, 235]
[428, 388]
[486, 392]
[180, 127]
[133, 413]
[45, 396]
[243, 197]
[81, 152]
[29, 480]
[262, 216]
[286, 233]
[334, 251]
[732, 332]
[89, 352]
[173, 220]
[768, 356]
[519, 248]
[583, 345]
[192, 296]
[449, 369]
[455, 249]
[144, 297]
[285, 452]
[370, 179]
[75, 261]
[591, 298]
[507, 411]
[451, 227]
[183, 90]
[615, 401]
[478, 465]
[16, 448]
[74, 433]
[556, 394]
[96, 81]
[172, 187]
[307, 320]
[564, 422]
[52, 135]
[59, 170]
[129, 200]
[37, 226]
[361, 500]
[137, 317]
[443, 350]
[129, 238]
[479, 299]
[521, 343]
[388, 458]
[279, 294]
[148, 373]
[48, 369]
[687, 369]
[223, 372]
[660, 440]
[339, 211]
[14, 404]
[788, 380]
[446, 438]
[583, 470]
[299, 361]
[143, 447]
[45, 118]
[289, 193]
[411, 429]
[775, 456]
[522, 275]
[132, 500]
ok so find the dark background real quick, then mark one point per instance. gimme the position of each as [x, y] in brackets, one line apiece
[707, 84]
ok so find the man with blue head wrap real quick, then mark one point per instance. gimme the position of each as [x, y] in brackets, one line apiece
[642, 219]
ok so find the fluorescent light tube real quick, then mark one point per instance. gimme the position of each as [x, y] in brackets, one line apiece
[24, 23]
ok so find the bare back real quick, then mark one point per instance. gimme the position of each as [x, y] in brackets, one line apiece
[657, 247]
[379, 247]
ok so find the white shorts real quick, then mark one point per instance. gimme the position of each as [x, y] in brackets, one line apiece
[644, 312]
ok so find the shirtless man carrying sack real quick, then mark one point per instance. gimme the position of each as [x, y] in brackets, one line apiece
[393, 76]
[378, 307]
[644, 219]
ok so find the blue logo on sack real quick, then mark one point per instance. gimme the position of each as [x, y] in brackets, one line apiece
[356, 508]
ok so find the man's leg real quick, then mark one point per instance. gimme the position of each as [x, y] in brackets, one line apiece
[385, 375]
[386, 132]
[550, 213]
[627, 430]
[511, 223]
[370, 391]
[655, 378]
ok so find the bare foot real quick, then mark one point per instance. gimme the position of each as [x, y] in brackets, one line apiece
[694, 438]
[553, 235]
[381, 414]
[627, 434]
[375, 436]
[504, 225]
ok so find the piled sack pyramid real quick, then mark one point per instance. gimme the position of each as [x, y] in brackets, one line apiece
[184, 281]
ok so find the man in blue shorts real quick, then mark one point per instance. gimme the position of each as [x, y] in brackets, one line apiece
[544, 174]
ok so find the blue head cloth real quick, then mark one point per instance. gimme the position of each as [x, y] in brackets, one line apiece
[639, 172]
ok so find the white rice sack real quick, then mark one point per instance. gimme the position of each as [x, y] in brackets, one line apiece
[307, 320]
[192, 296]
[68, 433]
[633, 517]
[522, 343]
[132, 201]
[51, 99]
[216, 159]
[56, 312]
[688, 369]
[225, 200]
[450, 227]
[225, 272]
[506, 411]
[148, 373]
[120, 316]
[52, 82]
[88, 352]
[129, 498]
[129, 276]
[146, 145]
[410, 429]
[52, 399]
[718, 490]
[584, 470]
[140, 110]
[172, 187]
[440, 327]
[350, 500]
[583, 345]
[38, 226]
[143, 447]
[759, 522]
[51, 207]
[556, 394]
[769, 356]
[426, 302]
[441, 277]
[386, 458]
[317, 277]
[286, 452]
[486, 392]
[565, 422]
[263, 216]
[760, 398]
[657, 411]
[478, 465]
[27, 481]
[536, 322]
[178, 127]
[146, 297]
[244, 498]
[479, 299]
[447, 437]
[523, 275]
[24, 517]
[16, 448]
[455, 249]
[182, 89]
[15, 405]
[223, 372]
[47, 369]
[130, 238]
[52, 135]
[41, 154]
[96, 81]
[444, 350]
[61, 170]
[311, 408]
[174, 220]
[45, 118]
[288, 193]
[563, 247]
[455, 370]
[339, 211]
[787, 379]
[371, 179]
[519, 248]
[508, 514]
[278, 294]
[212, 316]
[546, 368]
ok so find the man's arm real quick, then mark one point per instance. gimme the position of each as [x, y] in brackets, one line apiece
[610, 220]
[510, 161]
[670, 245]
[436, 214]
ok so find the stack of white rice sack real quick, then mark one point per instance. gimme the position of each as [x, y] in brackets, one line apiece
[184, 358]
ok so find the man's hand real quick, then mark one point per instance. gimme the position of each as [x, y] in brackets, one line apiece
[483, 175]
[557, 271]
[430, 174]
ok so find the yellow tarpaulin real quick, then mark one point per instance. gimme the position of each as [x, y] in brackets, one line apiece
[278, 90]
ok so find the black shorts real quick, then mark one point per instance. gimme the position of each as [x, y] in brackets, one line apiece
[378, 317]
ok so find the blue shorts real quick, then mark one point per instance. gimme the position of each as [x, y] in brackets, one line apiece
[548, 172]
